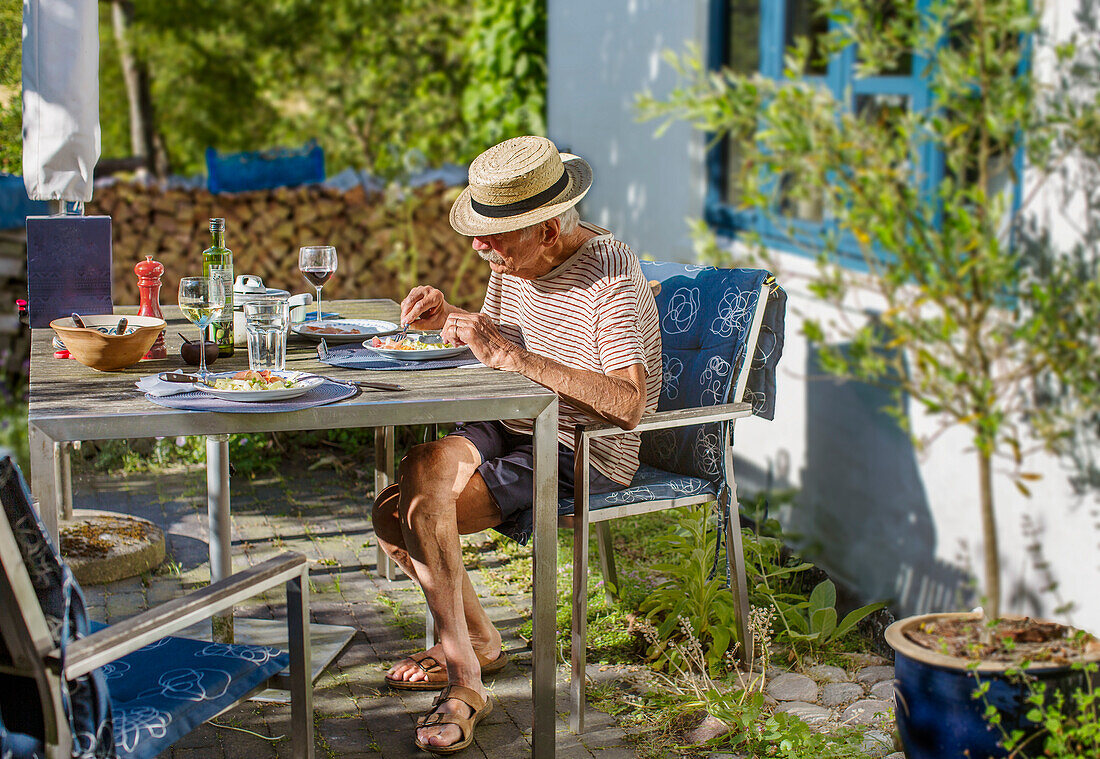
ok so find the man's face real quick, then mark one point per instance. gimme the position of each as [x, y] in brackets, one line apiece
[509, 252]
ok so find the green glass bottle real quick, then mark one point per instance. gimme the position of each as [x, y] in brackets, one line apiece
[217, 262]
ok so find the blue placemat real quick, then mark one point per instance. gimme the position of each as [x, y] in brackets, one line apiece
[196, 400]
[311, 316]
[361, 358]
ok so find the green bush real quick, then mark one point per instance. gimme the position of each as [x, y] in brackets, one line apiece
[13, 434]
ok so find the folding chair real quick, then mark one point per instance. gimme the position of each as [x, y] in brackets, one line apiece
[127, 690]
[711, 321]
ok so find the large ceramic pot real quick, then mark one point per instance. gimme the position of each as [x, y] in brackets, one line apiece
[937, 714]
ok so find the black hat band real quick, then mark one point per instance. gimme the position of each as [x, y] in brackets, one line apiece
[525, 205]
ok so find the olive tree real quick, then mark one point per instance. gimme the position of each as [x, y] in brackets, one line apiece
[966, 324]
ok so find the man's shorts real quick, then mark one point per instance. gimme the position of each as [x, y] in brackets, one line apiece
[507, 468]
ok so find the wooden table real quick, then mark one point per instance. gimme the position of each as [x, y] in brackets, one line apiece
[69, 402]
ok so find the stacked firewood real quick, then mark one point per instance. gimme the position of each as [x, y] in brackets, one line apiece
[386, 241]
[15, 337]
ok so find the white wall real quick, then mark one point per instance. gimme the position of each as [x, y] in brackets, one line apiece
[602, 53]
[887, 520]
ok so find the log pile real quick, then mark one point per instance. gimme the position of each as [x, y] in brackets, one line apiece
[386, 242]
[15, 337]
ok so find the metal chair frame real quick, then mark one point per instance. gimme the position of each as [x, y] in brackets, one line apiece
[583, 517]
[34, 656]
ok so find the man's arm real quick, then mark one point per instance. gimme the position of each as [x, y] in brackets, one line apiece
[618, 397]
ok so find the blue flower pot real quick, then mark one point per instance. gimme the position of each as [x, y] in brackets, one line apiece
[937, 714]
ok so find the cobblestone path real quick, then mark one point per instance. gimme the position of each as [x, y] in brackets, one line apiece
[357, 717]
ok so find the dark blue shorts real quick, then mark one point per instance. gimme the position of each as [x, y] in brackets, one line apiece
[507, 468]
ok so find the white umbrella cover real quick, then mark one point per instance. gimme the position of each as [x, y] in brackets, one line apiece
[60, 98]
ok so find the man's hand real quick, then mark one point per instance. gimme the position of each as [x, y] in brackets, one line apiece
[479, 332]
[424, 307]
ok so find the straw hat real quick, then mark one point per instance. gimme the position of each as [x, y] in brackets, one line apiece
[518, 183]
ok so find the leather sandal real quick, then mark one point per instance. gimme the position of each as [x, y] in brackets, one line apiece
[480, 709]
[437, 671]
[432, 667]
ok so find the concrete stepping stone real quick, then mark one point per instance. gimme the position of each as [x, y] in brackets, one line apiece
[840, 694]
[866, 711]
[811, 714]
[877, 744]
[883, 690]
[872, 675]
[826, 673]
[792, 687]
[104, 546]
[710, 728]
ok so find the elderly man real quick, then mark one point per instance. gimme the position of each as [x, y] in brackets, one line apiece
[566, 306]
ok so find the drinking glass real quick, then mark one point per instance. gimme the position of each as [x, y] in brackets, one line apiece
[317, 263]
[266, 322]
[201, 299]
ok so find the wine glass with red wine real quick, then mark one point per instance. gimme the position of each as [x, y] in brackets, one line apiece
[317, 263]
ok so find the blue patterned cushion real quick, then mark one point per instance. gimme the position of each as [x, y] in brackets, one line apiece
[62, 604]
[649, 484]
[161, 692]
[139, 704]
[706, 315]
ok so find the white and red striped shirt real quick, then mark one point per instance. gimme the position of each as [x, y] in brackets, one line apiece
[593, 312]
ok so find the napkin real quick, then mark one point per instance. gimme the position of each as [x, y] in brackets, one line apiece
[159, 388]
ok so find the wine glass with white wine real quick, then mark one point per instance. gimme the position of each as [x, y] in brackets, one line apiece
[317, 263]
[202, 300]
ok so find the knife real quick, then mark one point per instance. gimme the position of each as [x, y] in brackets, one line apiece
[181, 377]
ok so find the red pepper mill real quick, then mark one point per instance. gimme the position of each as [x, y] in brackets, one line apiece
[149, 272]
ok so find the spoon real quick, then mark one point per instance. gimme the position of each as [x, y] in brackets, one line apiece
[185, 340]
[78, 321]
[121, 328]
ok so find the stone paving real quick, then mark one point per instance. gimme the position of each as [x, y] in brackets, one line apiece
[862, 695]
[357, 717]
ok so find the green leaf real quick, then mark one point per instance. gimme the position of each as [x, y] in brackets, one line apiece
[823, 596]
[823, 622]
[852, 618]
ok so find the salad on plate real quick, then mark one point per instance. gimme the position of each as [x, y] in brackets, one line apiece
[412, 343]
[253, 380]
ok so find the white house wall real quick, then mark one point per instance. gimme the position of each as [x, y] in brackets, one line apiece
[881, 517]
[602, 54]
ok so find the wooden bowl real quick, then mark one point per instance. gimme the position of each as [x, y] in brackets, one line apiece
[97, 346]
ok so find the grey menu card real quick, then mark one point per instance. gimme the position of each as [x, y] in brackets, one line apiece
[68, 267]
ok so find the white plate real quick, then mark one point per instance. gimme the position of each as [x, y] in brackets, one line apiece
[355, 330]
[426, 354]
[304, 385]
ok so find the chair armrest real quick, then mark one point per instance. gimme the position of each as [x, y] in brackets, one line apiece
[666, 419]
[129, 635]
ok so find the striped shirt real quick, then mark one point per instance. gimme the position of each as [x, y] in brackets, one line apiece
[593, 312]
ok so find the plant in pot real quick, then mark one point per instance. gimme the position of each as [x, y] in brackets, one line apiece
[963, 322]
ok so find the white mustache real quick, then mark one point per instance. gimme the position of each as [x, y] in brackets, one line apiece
[491, 256]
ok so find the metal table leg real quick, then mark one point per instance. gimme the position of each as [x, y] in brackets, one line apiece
[545, 586]
[45, 487]
[383, 478]
[217, 509]
[63, 476]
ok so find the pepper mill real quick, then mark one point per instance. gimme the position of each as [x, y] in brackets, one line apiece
[148, 272]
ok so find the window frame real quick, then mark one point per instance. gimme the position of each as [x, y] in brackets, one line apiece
[802, 236]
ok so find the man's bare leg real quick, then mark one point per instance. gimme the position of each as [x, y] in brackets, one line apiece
[433, 480]
[484, 636]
